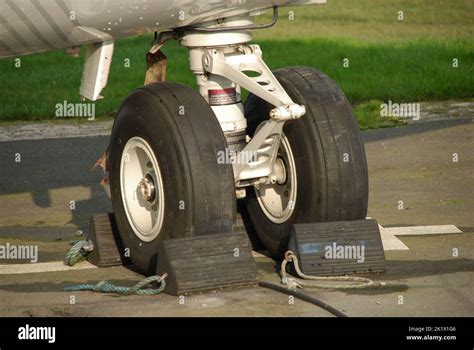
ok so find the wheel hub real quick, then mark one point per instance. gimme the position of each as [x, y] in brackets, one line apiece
[147, 188]
[277, 197]
[141, 186]
[279, 172]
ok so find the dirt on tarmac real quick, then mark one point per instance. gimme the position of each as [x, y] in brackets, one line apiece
[420, 174]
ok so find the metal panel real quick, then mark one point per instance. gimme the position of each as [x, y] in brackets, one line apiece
[43, 25]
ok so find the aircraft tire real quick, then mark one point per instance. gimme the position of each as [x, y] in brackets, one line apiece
[324, 157]
[165, 181]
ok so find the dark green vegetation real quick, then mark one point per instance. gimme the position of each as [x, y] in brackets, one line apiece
[411, 61]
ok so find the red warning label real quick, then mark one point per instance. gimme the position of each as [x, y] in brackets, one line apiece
[219, 97]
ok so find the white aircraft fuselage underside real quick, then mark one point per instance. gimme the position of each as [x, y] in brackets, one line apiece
[30, 26]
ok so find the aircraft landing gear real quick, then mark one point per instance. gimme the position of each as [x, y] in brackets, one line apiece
[306, 159]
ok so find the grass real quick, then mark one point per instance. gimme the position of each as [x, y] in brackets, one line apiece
[406, 71]
[376, 20]
[404, 61]
[368, 116]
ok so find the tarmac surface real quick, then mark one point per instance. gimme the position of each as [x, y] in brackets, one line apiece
[420, 174]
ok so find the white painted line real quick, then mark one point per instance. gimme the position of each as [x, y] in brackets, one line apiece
[422, 230]
[388, 235]
[390, 242]
[14, 269]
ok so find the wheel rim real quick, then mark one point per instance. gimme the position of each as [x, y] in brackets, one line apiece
[277, 201]
[141, 187]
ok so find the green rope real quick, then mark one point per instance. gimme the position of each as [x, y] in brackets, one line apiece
[106, 287]
[78, 252]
